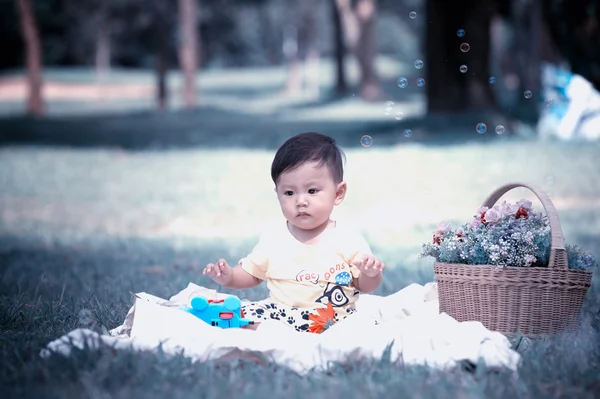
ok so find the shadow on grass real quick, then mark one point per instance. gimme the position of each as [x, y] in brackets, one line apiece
[212, 128]
[243, 93]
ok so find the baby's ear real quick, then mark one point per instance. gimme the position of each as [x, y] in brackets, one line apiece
[340, 192]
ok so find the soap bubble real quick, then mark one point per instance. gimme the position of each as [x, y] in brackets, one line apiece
[402, 82]
[492, 79]
[527, 94]
[420, 82]
[550, 180]
[407, 133]
[481, 128]
[418, 64]
[548, 101]
[399, 116]
[464, 68]
[412, 15]
[389, 105]
[465, 47]
[499, 129]
[366, 140]
[460, 32]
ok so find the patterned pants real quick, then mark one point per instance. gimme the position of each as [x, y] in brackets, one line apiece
[300, 319]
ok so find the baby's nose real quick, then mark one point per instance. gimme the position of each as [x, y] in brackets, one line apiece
[302, 200]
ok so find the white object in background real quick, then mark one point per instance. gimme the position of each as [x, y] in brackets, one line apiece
[572, 110]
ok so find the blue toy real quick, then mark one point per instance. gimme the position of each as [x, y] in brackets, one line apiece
[224, 313]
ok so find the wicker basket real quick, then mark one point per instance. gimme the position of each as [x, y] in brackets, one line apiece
[533, 301]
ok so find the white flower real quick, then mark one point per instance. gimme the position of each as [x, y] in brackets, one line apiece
[508, 209]
[529, 259]
[525, 204]
[492, 216]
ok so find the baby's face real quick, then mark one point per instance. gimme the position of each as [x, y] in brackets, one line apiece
[308, 194]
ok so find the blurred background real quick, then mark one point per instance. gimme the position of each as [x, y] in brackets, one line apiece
[512, 60]
[159, 119]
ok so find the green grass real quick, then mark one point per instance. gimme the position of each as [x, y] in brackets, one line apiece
[81, 230]
[49, 290]
[83, 224]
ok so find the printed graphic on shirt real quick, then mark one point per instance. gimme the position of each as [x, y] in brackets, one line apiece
[335, 295]
[340, 273]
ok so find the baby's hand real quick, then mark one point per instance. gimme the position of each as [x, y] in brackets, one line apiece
[369, 265]
[221, 272]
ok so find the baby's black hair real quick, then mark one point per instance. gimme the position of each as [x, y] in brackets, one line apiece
[308, 147]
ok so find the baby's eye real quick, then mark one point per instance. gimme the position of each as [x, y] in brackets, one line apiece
[312, 191]
[288, 193]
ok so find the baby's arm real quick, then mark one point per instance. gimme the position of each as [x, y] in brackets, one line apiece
[367, 284]
[241, 279]
[370, 267]
[250, 271]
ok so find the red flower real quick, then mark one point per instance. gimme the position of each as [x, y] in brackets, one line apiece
[437, 238]
[522, 212]
[482, 218]
[322, 320]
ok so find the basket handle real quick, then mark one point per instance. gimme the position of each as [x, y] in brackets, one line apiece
[558, 253]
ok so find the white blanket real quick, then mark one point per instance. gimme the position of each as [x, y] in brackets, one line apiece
[408, 320]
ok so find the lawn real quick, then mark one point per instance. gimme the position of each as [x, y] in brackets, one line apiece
[89, 218]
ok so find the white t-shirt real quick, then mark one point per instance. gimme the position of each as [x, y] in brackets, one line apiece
[308, 275]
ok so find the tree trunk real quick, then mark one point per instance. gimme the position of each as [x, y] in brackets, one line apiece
[188, 49]
[341, 86]
[268, 41]
[35, 104]
[313, 72]
[102, 49]
[527, 24]
[449, 90]
[359, 35]
[312, 53]
[161, 66]
[349, 21]
[575, 32]
[548, 49]
[366, 49]
[290, 50]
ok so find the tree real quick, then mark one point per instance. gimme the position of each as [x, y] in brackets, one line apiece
[575, 28]
[358, 26]
[366, 49]
[90, 28]
[301, 46]
[35, 104]
[291, 44]
[527, 25]
[188, 49]
[162, 30]
[449, 90]
[339, 45]
[103, 40]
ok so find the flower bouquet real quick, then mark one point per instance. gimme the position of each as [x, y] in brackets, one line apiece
[505, 235]
[510, 269]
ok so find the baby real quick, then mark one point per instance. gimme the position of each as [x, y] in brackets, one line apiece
[314, 267]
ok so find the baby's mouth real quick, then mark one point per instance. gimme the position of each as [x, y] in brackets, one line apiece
[303, 214]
